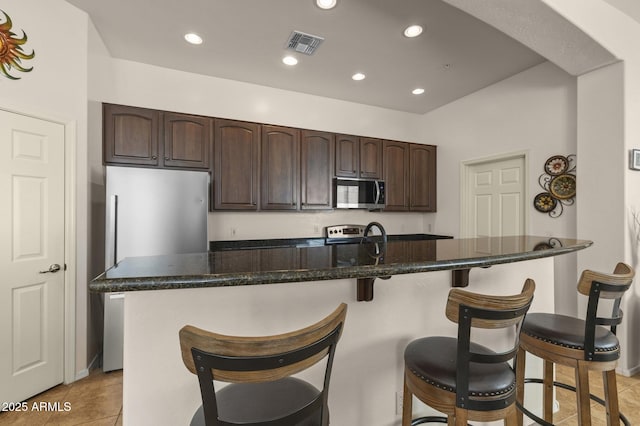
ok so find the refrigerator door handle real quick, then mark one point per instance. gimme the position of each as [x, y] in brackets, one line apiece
[111, 251]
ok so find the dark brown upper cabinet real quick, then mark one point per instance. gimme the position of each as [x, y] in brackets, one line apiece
[410, 176]
[264, 167]
[358, 157]
[280, 160]
[150, 138]
[347, 156]
[396, 175]
[371, 158]
[236, 165]
[316, 170]
[130, 135]
[422, 178]
[187, 141]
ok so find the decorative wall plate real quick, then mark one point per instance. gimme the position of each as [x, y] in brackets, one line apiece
[556, 165]
[559, 183]
[563, 186]
[544, 202]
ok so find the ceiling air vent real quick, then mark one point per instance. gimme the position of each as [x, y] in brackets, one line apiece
[303, 43]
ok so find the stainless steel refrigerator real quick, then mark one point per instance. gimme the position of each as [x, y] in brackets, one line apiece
[149, 212]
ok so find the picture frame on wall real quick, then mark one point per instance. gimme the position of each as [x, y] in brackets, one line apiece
[634, 159]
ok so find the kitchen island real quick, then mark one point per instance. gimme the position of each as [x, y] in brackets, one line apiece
[273, 290]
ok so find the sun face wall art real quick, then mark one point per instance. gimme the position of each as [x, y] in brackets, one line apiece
[11, 52]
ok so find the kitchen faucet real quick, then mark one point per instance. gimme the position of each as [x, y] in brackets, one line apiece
[379, 253]
[365, 238]
[377, 225]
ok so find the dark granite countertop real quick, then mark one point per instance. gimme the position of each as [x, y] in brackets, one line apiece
[324, 262]
[308, 242]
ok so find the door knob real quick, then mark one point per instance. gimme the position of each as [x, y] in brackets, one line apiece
[53, 269]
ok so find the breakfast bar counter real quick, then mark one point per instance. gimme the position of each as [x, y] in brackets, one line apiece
[265, 291]
[304, 261]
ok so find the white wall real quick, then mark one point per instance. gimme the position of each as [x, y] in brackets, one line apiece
[601, 136]
[98, 66]
[56, 90]
[533, 111]
[133, 83]
[618, 33]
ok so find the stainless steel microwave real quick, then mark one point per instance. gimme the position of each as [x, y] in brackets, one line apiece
[352, 193]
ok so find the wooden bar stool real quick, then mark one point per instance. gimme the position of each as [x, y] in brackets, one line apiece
[463, 379]
[262, 391]
[583, 344]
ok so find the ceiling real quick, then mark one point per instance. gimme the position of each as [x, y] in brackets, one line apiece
[628, 7]
[244, 40]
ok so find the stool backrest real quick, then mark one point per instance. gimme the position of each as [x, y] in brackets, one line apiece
[241, 359]
[490, 312]
[598, 286]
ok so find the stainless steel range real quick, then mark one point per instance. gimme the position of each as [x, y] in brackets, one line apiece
[337, 234]
[353, 247]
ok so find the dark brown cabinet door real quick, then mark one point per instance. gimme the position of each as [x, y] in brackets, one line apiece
[187, 141]
[371, 158]
[422, 178]
[225, 262]
[236, 165]
[316, 170]
[396, 175]
[316, 258]
[422, 251]
[130, 135]
[280, 259]
[347, 156]
[280, 179]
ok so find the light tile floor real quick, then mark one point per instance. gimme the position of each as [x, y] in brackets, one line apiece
[97, 401]
[628, 398]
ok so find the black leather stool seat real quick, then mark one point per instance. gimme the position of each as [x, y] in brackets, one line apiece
[433, 359]
[259, 402]
[567, 331]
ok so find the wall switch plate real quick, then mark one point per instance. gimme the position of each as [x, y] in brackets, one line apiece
[634, 159]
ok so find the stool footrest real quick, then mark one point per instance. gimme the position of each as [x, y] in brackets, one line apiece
[562, 386]
[429, 419]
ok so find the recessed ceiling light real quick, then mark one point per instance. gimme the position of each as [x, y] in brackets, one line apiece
[358, 76]
[413, 31]
[290, 60]
[326, 4]
[418, 91]
[193, 38]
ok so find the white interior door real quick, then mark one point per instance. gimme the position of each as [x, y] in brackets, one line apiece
[31, 244]
[494, 198]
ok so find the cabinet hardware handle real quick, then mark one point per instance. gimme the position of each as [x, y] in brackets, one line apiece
[154, 157]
